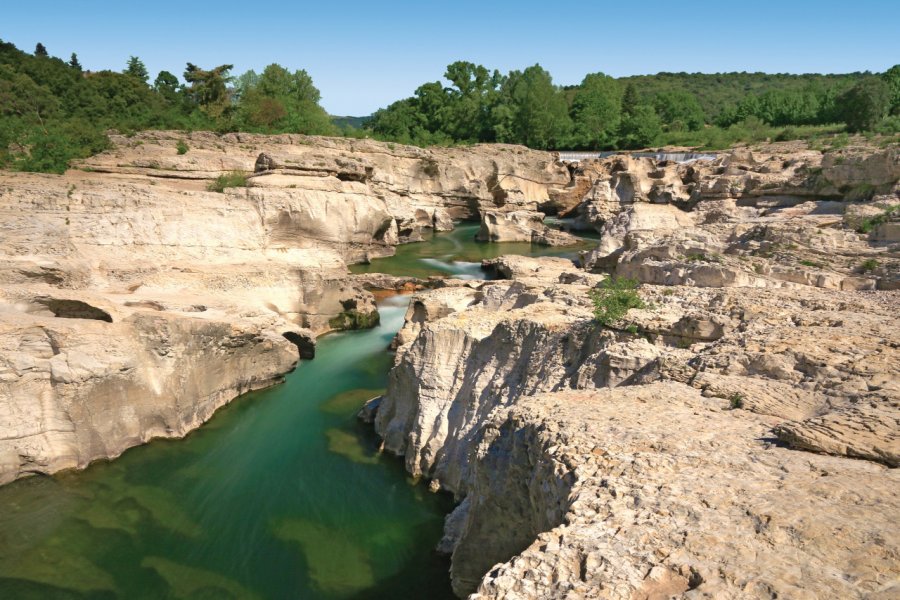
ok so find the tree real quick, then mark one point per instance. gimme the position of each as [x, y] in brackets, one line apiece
[73, 62]
[21, 96]
[209, 89]
[536, 114]
[892, 79]
[165, 83]
[243, 83]
[865, 104]
[281, 100]
[679, 110]
[136, 69]
[40, 50]
[630, 99]
[641, 128]
[596, 111]
[466, 106]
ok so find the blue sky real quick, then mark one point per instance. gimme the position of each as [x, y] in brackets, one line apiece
[363, 55]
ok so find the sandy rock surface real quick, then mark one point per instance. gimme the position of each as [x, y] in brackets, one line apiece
[735, 438]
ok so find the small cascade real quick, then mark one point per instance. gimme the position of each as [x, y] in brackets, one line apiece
[678, 157]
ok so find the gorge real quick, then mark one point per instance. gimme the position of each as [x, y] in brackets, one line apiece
[736, 437]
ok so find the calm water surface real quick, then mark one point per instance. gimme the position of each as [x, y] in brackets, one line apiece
[281, 495]
[457, 254]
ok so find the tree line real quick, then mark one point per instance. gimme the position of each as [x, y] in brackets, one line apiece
[53, 110]
[525, 107]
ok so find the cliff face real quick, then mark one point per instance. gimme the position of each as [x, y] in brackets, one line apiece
[134, 302]
[735, 438]
[77, 390]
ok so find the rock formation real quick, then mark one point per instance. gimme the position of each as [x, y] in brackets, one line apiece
[135, 301]
[735, 438]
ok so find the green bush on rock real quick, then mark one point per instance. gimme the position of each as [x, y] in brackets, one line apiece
[613, 298]
[233, 179]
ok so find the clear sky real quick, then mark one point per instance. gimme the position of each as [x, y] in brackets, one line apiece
[364, 55]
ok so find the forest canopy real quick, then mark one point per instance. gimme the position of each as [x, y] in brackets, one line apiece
[53, 110]
[603, 113]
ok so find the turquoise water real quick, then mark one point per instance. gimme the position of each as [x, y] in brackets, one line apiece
[457, 254]
[281, 495]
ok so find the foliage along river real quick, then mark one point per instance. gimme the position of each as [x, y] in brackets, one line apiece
[281, 495]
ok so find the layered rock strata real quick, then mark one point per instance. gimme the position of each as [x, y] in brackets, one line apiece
[135, 301]
[735, 438]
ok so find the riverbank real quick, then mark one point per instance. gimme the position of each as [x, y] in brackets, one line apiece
[282, 494]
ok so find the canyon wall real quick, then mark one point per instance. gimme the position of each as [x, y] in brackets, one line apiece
[736, 437]
[134, 301]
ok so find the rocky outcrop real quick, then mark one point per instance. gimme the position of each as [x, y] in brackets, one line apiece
[557, 436]
[651, 492]
[418, 188]
[521, 226]
[74, 389]
[147, 300]
[768, 338]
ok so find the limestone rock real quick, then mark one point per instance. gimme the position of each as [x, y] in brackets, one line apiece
[520, 226]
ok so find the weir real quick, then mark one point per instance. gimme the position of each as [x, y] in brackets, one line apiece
[678, 157]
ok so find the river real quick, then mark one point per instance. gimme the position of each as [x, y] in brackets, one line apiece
[282, 494]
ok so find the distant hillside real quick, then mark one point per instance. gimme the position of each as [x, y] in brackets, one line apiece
[355, 122]
[717, 91]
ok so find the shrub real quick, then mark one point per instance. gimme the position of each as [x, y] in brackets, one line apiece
[430, 167]
[867, 225]
[182, 147]
[868, 265]
[233, 179]
[613, 298]
[736, 400]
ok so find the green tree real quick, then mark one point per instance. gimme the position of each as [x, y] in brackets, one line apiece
[535, 112]
[641, 128]
[40, 50]
[136, 68]
[465, 111]
[679, 110]
[892, 79]
[167, 86]
[209, 89]
[22, 97]
[284, 101]
[243, 83]
[73, 62]
[630, 99]
[865, 104]
[596, 111]
[166, 83]
[401, 121]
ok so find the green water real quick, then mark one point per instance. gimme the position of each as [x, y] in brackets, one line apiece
[281, 495]
[457, 254]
